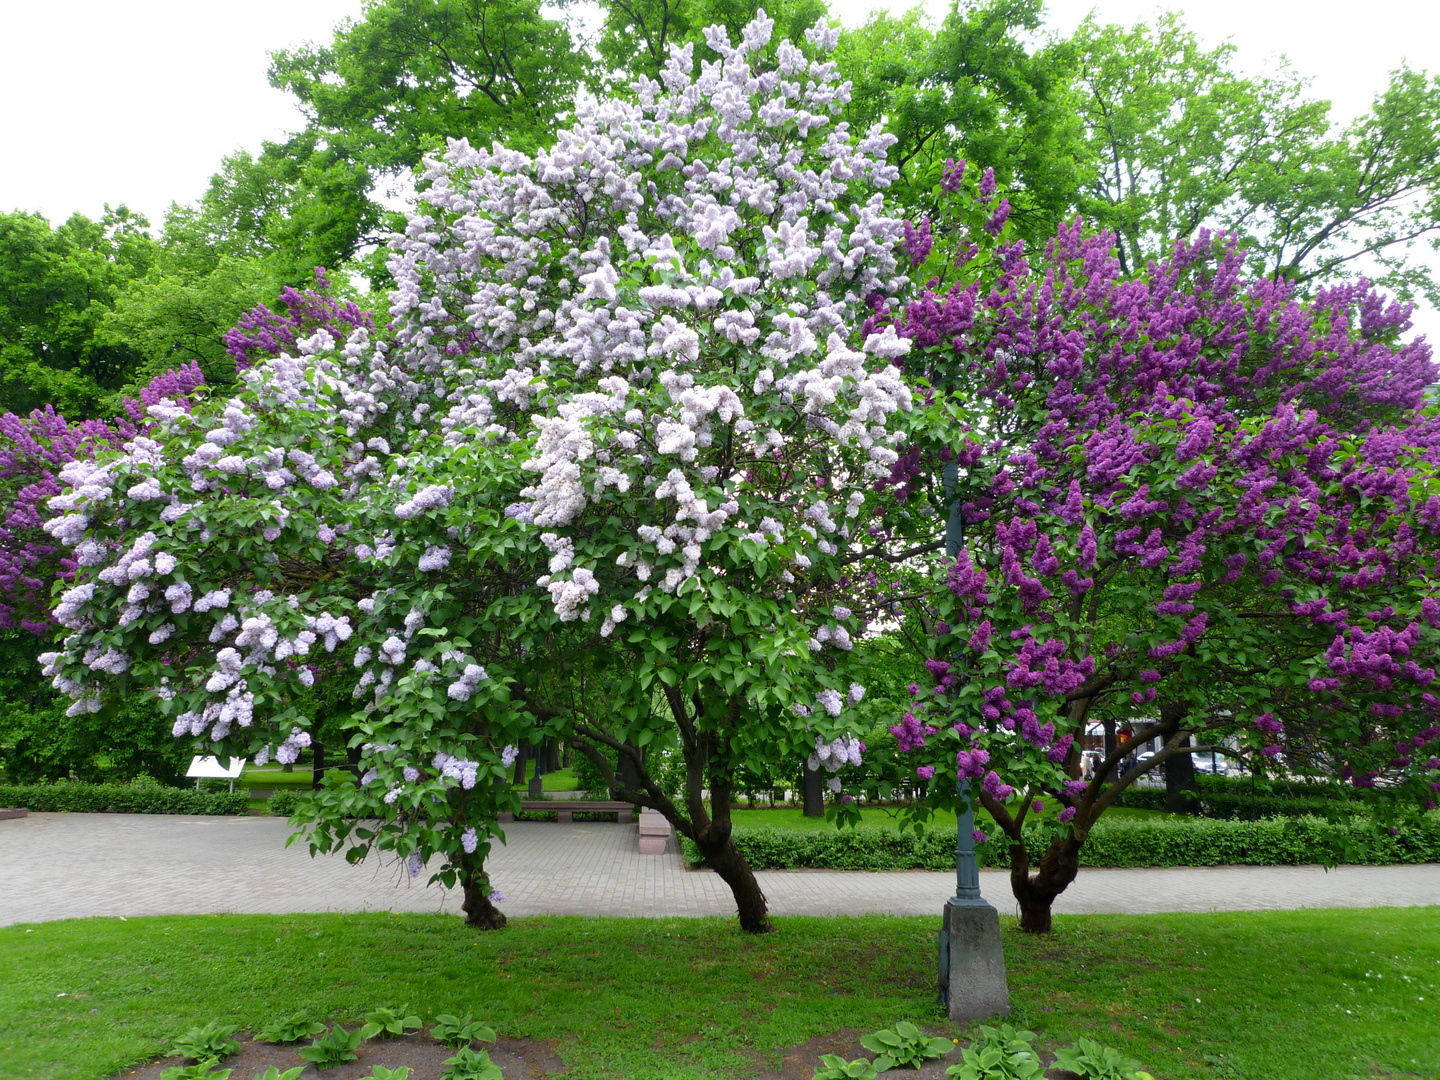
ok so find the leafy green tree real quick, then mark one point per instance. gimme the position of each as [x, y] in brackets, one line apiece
[39, 742]
[636, 35]
[412, 73]
[297, 205]
[974, 89]
[1177, 140]
[57, 285]
[170, 318]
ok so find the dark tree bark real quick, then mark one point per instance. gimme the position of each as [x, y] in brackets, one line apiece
[725, 859]
[708, 766]
[814, 793]
[1036, 894]
[1182, 792]
[520, 758]
[317, 773]
[629, 770]
[479, 911]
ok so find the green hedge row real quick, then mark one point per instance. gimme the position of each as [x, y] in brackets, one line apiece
[1236, 806]
[120, 799]
[1250, 786]
[1158, 842]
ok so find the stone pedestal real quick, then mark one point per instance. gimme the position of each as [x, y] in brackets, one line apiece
[536, 790]
[973, 962]
[12, 812]
[655, 833]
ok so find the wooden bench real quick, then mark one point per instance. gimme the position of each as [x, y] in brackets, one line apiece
[565, 809]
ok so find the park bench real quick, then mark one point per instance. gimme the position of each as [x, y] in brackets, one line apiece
[564, 809]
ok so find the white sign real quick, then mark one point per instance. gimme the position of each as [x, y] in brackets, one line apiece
[210, 768]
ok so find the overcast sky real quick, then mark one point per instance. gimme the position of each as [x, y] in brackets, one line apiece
[137, 102]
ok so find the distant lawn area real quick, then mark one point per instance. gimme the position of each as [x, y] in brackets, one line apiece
[560, 780]
[1303, 995]
[275, 776]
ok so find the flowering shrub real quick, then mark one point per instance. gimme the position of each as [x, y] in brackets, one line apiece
[33, 451]
[1188, 504]
[609, 466]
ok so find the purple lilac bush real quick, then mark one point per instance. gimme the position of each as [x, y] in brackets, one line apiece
[1192, 504]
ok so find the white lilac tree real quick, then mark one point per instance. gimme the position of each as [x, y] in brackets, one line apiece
[622, 419]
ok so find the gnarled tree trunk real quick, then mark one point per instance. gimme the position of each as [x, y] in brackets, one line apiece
[1036, 893]
[475, 884]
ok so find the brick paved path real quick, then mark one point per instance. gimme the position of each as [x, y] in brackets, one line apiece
[56, 866]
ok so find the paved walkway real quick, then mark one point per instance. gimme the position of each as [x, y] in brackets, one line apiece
[58, 866]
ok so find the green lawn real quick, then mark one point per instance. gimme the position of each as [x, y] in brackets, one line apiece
[561, 780]
[275, 776]
[1307, 995]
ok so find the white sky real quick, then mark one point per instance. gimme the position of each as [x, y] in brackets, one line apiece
[137, 102]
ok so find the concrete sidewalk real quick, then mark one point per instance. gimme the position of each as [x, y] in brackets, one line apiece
[60, 866]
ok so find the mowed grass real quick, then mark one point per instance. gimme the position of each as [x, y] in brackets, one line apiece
[1307, 995]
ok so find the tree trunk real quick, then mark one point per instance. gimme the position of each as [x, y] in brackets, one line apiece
[479, 911]
[518, 777]
[1182, 792]
[1036, 893]
[317, 773]
[814, 793]
[629, 772]
[725, 859]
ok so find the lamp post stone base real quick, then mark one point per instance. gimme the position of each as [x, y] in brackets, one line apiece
[975, 980]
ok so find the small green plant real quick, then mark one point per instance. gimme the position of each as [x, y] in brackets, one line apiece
[201, 1070]
[335, 1047]
[1228, 1070]
[1088, 1059]
[212, 1042]
[904, 1044]
[1002, 1053]
[380, 1072]
[837, 1068]
[389, 1023]
[460, 1031]
[292, 1029]
[470, 1064]
[272, 1073]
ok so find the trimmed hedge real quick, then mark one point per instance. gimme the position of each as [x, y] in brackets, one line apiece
[1241, 807]
[1181, 841]
[72, 798]
[1252, 786]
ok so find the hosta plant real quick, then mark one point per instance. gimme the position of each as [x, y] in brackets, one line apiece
[833, 1067]
[1002, 1053]
[389, 1023]
[201, 1070]
[211, 1042]
[272, 1073]
[460, 1031]
[470, 1064]
[1092, 1061]
[380, 1072]
[335, 1047]
[904, 1044]
[292, 1029]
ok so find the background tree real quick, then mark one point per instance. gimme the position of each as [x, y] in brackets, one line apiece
[636, 35]
[57, 286]
[974, 88]
[1177, 140]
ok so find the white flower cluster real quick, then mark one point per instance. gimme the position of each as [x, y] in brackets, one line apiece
[835, 755]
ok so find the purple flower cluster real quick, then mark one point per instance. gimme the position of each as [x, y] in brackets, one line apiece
[33, 451]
